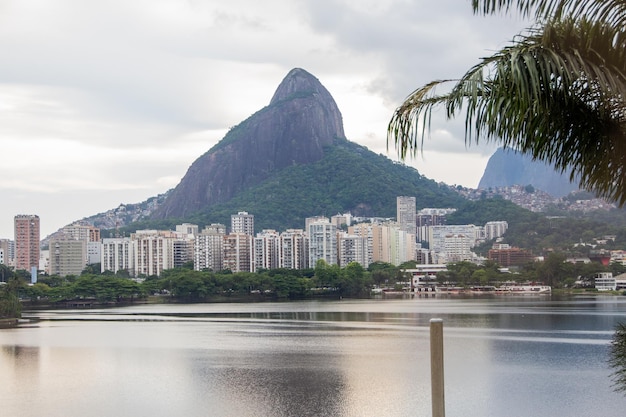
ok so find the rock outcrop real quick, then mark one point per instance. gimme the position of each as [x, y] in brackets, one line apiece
[301, 119]
[506, 168]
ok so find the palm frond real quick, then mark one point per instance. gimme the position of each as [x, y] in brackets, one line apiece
[556, 93]
[610, 11]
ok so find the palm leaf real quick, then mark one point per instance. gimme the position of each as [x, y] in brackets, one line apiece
[556, 93]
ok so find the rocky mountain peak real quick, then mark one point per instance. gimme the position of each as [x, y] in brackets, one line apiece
[300, 121]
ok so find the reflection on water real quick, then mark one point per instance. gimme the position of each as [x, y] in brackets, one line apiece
[503, 357]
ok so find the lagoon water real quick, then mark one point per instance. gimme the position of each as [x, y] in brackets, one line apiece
[504, 356]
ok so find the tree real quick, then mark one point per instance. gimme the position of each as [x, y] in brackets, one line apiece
[617, 359]
[556, 93]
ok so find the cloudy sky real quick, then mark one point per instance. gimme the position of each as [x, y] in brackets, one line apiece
[109, 102]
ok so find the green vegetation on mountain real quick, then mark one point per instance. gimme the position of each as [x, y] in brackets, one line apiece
[570, 233]
[349, 178]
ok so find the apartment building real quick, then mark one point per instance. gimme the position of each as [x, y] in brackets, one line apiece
[27, 242]
[352, 248]
[208, 248]
[242, 222]
[238, 253]
[267, 250]
[67, 256]
[117, 254]
[406, 213]
[322, 242]
[153, 251]
[293, 249]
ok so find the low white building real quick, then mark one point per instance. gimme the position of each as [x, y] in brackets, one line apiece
[604, 281]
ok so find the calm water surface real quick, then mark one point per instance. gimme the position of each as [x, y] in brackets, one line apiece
[533, 356]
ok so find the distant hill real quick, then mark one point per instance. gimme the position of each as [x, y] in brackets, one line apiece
[507, 168]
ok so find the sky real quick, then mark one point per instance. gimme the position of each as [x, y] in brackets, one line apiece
[109, 102]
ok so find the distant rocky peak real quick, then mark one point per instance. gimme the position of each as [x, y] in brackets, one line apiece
[299, 83]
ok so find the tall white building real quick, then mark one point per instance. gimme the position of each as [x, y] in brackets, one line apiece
[208, 248]
[406, 213]
[457, 247]
[352, 248]
[154, 251]
[294, 249]
[267, 250]
[117, 254]
[242, 222]
[187, 229]
[494, 230]
[322, 242]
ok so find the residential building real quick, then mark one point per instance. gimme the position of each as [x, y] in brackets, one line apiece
[604, 281]
[293, 249]
[267, 250]
[27, 242]
[183, 250]
[153, 251]
[208, 247]
[437, 235]
[456, 247]
[406, 214]
[387, 242]
[341, 219]
[242, 222]
[238, 252]
[494, 230]
[506, 256]
[118, 254]
[322, 242]
[8, 247]
[67, 256]
[366, 231]
[82, 231]
[427, 217]
[352, 248]
[187, 229]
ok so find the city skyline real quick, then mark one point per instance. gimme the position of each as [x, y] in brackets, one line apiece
[110, 103]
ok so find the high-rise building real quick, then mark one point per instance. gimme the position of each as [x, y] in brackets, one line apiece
[494, 230]
[242, 222]
[406, 213]
[67, 256]
[352, 248]
[386, 242]
[154, 251]
[238, 256]
[26, 242]
[322, 242]
[266, 250]
[117, 254]
[187, 228]
[8, 247]
[208, 246]
[294, 249]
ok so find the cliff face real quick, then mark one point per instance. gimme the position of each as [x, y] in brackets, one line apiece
[293, 129]
[506, 168]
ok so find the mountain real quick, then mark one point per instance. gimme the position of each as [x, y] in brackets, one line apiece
[507, 167]
[301, 119]
[291, 160]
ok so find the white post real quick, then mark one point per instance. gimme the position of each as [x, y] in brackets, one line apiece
[436, 367]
